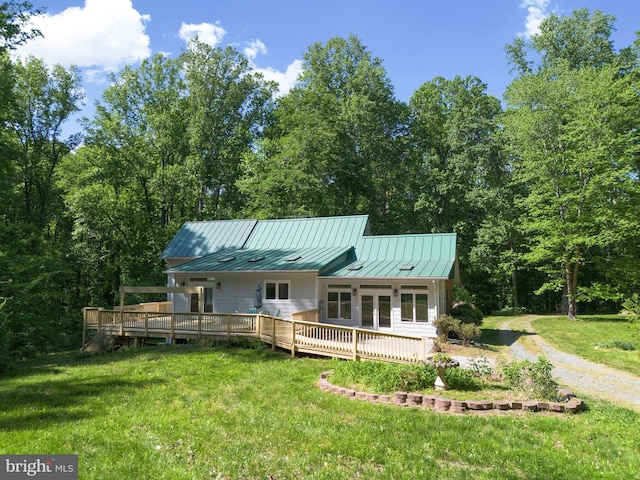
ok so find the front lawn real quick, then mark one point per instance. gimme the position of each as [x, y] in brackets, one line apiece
[595, 338]
[184, 413]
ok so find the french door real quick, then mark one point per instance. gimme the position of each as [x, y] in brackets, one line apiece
[375, 311]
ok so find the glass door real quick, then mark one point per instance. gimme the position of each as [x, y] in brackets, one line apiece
[375, 311]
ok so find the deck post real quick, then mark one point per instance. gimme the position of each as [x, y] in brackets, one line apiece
[200, 325]
[228, 327]
[273, 334]
[84, 327]
[354, 332]
[293, 339]
[173, 318]
[99, 319]
[146, 325]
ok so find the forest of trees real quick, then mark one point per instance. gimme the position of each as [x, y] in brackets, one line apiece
[541, 186]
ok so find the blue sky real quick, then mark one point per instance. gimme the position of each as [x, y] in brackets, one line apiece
[417, 40]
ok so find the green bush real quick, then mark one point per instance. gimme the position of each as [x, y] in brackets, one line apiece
[510, 311]
[381, 377]
[461, 379]
[448, 325]
[467, 313]
[533, 378]
[467, 332]
[619, 344]
[445, 324]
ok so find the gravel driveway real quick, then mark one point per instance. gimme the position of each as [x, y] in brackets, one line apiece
[576, 373]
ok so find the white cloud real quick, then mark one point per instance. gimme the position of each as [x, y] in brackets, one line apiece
[536, 13]
[208, 33]
[102, 35]
[255, 47]
[286, 80]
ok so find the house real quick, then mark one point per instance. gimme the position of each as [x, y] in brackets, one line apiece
[390, 283]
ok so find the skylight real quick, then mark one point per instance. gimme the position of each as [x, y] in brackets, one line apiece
[357, 266]
[293, 258]
[255, 259]
[226, 259]
[406, 266]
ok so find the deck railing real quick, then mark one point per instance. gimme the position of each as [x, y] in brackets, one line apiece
[291, 334]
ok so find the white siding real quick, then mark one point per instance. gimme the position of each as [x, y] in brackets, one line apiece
[238, 290]
[436, 291]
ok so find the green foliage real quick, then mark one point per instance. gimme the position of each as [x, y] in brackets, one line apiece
[461, 379]
[468, 332]
[467, 313]
[445, 324]
[533, 378]
[619, 344]
[383, 377]
[480, 367]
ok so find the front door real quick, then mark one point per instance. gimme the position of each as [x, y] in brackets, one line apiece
[376, 311]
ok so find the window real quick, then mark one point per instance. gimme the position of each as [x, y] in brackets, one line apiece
[339, 304]
[414, 307]
[276, 291]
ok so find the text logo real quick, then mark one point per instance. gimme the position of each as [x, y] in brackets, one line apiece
[50, 467]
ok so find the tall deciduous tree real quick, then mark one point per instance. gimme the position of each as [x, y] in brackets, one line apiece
[44, 100]
[336, 147]
[572, 123]
[455, 155]
[228, 107]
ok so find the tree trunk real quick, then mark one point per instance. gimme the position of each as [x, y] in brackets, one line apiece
[571, 280]
[514, 289]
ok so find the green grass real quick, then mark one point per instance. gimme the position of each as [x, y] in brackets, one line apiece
[581, 336]
[183, 413]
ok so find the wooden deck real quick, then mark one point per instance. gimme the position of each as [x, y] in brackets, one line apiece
[290, 334]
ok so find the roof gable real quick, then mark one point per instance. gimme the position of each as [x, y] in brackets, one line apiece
[197, 239]
[406, 256]
[308, 232]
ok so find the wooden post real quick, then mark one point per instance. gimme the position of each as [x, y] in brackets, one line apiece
[228, 327]
[200, 325]
[146, 325]
[273, 334]
[172, 327]
[354, 332]
[293, 339]
[84, 327]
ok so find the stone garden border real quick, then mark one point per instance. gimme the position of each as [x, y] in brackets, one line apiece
[404, 399]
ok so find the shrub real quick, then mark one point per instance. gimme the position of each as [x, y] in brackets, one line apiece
[467, 313]
[445, 325]
[480, 367]
[468, 332]
[461, 379]
[510, 311]
[620, 344]
[381, 377]
[533, 378]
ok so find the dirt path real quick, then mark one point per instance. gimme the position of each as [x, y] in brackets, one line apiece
[580, 375]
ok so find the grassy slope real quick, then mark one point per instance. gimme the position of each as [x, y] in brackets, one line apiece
[581, 336]
[181, 413]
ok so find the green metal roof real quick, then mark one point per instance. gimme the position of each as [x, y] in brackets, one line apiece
[308, 232]
[401, 256]
[332, 246]
[267, 259]
[197, 239]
